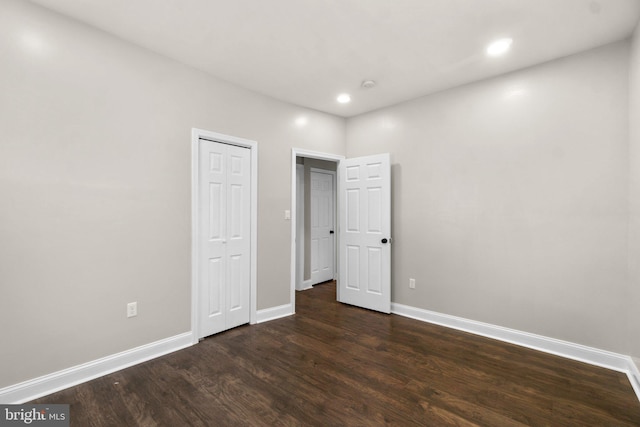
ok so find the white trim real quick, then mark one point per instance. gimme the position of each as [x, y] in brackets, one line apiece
[306, 285]
[60, 380]
[581, 353]
[299, 152]
[300, 238]
[634, 377]
[274, 313]
[196, 135]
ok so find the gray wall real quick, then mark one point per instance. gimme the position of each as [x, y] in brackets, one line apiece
[634, 199]
[95, 186]
[510, 198]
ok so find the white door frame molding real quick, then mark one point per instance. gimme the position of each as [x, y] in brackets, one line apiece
[301, 284]
[299, 152]
[196, 135]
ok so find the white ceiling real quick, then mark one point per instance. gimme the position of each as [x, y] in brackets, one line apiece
[308, 51]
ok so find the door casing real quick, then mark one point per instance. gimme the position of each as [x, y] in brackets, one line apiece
[196, 135]
[298, 152]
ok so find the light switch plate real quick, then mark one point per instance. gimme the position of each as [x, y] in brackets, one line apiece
[132, 309]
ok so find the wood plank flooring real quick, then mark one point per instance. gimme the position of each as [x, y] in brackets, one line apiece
[337, 365]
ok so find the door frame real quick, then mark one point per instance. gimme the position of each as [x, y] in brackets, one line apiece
[196, 135]
[299, 210]
[299, 152]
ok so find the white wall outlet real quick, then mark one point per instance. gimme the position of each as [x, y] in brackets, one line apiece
[287, 214]
[132, 309]
[412, 283]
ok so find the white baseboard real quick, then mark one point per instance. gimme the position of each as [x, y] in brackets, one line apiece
[590, 355]
[634, 376]
[51, 383]
[274, 313]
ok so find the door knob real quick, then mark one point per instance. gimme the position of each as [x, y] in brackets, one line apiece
[330, 231]
[384, 240]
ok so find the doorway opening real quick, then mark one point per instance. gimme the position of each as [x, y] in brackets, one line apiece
[363, 228]
[313, 219]
[316, 222]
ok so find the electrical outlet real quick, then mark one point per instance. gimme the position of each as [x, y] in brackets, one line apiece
[132, 309]
[287, 214]
[412, 283]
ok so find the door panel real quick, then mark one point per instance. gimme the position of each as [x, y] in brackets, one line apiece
[235, 282]
[215, 285]
[322, 225]
[216, 207]
[365, 261]
[239, 237]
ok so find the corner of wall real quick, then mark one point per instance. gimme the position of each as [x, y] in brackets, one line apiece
[633, 318]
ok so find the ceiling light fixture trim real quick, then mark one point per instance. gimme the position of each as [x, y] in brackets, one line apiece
[368, 84]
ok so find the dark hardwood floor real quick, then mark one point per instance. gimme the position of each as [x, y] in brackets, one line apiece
[336, 365]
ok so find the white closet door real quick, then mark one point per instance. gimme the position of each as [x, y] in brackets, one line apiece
[225, 202]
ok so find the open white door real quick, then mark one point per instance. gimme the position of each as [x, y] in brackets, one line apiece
[364, 189]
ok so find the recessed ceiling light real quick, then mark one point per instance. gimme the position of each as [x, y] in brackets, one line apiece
[344, 98]
[499, 47]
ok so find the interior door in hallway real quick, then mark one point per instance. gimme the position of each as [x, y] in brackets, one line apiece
[322, 226]
[225, 244]
[364, 189]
